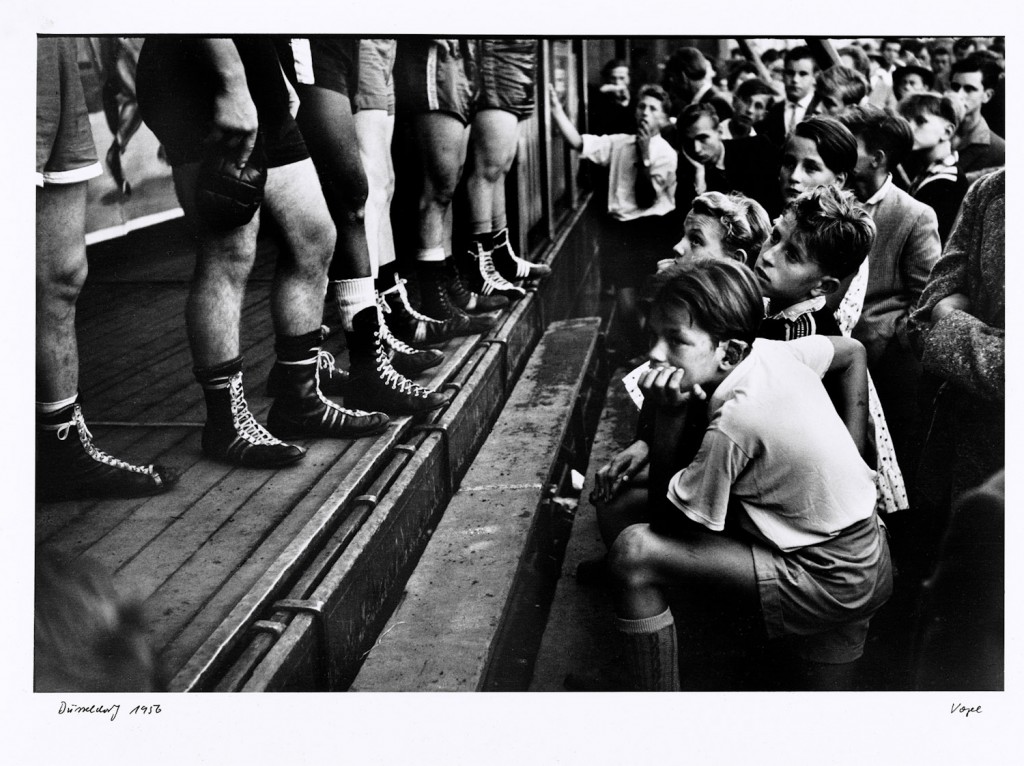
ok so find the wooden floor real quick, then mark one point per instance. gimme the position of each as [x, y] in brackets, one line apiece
[193, 552]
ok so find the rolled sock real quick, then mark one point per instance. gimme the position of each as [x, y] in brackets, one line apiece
[430, 254]
[48, 408]
[353, 295]
[652, 653]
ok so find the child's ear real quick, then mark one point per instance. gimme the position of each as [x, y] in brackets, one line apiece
[826, 286]
[735, 351]
[739, 255]
[948, 131]
[840, 180]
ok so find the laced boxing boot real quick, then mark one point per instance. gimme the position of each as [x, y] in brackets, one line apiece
[404, 358]
[373, 382]
[70, 467]
[435, 302]
[413, 327]
[462, 296]
[490, 281]
[232, 433]
[332, 379]
[301, 409]
[511, 266]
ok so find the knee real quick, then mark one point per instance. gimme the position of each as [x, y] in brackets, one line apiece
[629, 557]
[489, 168]
[61, 284]
[317, 237]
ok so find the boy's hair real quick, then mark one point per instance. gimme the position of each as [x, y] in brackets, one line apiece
[880, 129]
[849, 84]
[754, 87]
[912, 45]
[961, 44]
[940, 104]
[738, 68]
[937, 49]
[836, 145]
[88, 638]
[693, 112]
[744, 220]
[860, 59]
[689, 62]
[770, 56]
[927, 75]
[836, 232]
[658, 92]
[611, 66]
[798, 53]
[722, 297]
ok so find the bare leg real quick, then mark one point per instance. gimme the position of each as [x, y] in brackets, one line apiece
[374, 130]
[442, 144]
[223, 262]
[61, 269]
[494, 142]
[292, 197]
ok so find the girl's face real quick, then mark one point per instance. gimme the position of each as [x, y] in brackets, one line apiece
[702, 238]
[680, 343]
[803, 169]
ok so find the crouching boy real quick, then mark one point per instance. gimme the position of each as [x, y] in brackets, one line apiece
[777, 461]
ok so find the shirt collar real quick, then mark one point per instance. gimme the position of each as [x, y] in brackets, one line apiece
[804, 102]
[791, 313]
[879, 195]
[721, 158]
[700, 93]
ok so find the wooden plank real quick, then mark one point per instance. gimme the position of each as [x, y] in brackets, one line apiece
[442, 634]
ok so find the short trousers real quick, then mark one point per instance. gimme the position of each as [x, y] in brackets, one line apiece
[376, 85]
[65, 150]
[431, 78]
[630, 250]
[507, 76]
[176, 91]
[820, 599]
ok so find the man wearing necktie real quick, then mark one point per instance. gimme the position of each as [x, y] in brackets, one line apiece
[798, 75]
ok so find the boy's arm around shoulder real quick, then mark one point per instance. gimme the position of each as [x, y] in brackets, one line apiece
[849, 368]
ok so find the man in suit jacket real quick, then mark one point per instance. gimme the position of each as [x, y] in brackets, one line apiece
[899, 264]
[687, 79]
[709, 163]
[973, 81]
[798, 73]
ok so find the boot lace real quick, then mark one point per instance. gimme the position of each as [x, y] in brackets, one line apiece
[390, 340]
[85, 437]
[403, 296]
[523, 266]
[394, 379]
[493, 281]
[246, 425]
[325, 360]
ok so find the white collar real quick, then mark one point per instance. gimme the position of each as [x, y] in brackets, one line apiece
[879, 195]
[804, 102]
[799, 309]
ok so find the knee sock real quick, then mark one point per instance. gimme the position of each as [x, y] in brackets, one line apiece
[353, 295]
[49, 408]
[298, 349]
[651, 652]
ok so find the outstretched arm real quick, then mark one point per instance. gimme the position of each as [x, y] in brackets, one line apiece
[563, 122]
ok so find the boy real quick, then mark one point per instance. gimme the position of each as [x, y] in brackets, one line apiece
[934, 119]
[974, 82]
[751, 101]
[821, 238]
[641, 195]
[798, 76]
[806, 545]
[837, 88]
[747, 165]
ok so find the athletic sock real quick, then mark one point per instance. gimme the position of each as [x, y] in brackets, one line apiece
[48, 408]
[428, 254]
[353, 295]
[652, 653]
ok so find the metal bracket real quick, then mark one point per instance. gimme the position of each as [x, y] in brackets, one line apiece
[315, 607]
[269, 626]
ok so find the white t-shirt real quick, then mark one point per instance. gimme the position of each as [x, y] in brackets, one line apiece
[777, 452]
[618, 152]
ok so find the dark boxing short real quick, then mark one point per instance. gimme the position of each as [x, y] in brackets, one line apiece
[506, 76]
[429, 77]
[176, 90]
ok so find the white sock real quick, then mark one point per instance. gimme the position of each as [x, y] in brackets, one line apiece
[353, 295]
[430, 254]
[46, 408]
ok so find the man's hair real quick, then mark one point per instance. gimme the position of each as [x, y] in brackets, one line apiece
[693, 112]
[937, 50]
[738, 68]
[722, 297]
[941, 104]
[658, 92]
[835, 231]
[744, 220]
[798, 53]
[963, 43]
[848, 84]
[913, 45]
[754, 87]
[836, 145]
[860, 59]
[887, 40]
[770, 56]
[880, 129]
[689, 62]
[611, 66]
[990, 70]
[88, 638]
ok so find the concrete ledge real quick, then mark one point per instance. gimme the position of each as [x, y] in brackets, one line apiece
[443, 634]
